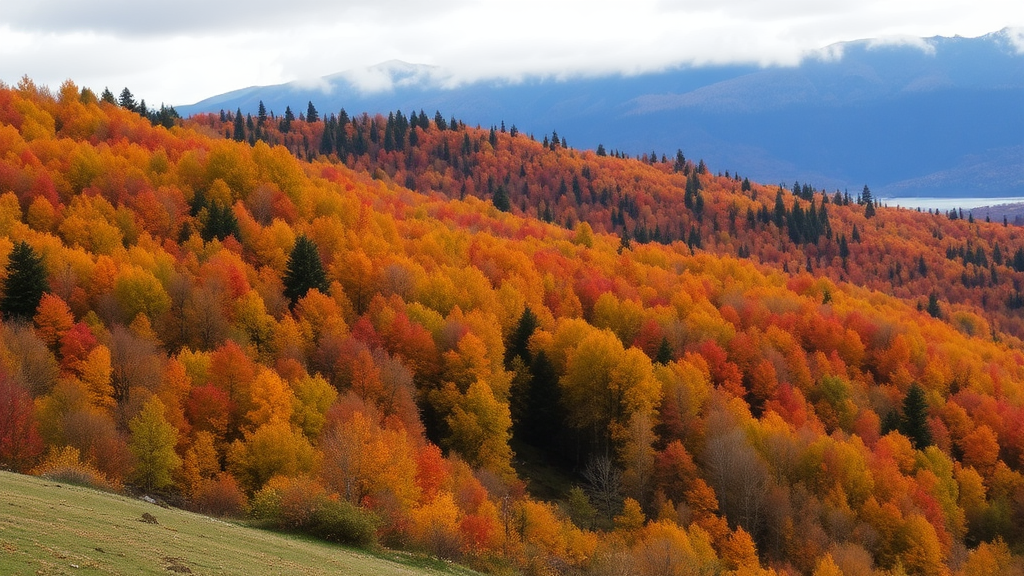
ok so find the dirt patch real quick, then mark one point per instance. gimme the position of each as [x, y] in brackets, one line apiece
[176, 565]
[148, 518]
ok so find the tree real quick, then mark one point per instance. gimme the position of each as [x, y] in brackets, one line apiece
[311, 114]
[239, 127]
[933, 306]
[127, 100]
[20, 443]
[519, 340]
[914, 424]
[25, 283]
[501, 199]
[304, 270]
[152, 443]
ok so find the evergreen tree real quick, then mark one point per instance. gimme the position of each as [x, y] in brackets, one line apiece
[261, 115]
[286, 121]
[844, 249]
[780, 209]
[933, 305]
[545, 415]
[914, 424]
[127, 101]
[664, 355]
[519, 340]
[220, 222]
[304, 270]
[311, 114]
[239, 133]
[25, 283]
[501, 199]
[107, 96]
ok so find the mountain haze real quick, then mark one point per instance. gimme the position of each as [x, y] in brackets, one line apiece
[917, 117]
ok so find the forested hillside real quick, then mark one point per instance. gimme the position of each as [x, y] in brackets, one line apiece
[347, 335]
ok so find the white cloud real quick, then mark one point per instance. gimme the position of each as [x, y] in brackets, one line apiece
[903, 40]
[199, 48]
[1016, 38]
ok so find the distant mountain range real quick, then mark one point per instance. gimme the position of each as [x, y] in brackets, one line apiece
[939, 117]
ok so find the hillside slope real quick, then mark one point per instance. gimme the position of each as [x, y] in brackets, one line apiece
[354, 345]
[48, 528]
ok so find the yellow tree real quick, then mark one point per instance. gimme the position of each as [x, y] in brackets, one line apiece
[479, 426]
[272, 400]
[152, 443]
[605, 386]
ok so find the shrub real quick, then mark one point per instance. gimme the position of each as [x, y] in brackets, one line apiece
[65, 465]
[302, 504]
[220, 496]
[342, 522]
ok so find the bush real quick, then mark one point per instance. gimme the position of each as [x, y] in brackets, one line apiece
[219, 497]
[340, 521]
[302, 504]
[65, 465]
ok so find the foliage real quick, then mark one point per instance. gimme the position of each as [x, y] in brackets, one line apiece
[753, 368]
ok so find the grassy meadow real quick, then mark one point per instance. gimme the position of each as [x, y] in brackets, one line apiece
[49, 528]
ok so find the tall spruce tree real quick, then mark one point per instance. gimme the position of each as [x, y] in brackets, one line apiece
[239, 127]
[304, 271]
[914, 424]
[25, 283]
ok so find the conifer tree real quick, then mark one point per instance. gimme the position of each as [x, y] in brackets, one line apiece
[127, 101]
[25, 283]
[519, 340]
[914, 424]
[239, 132]
[501, 199]
[304, 271]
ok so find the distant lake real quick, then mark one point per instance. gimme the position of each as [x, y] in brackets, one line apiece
[946, 204]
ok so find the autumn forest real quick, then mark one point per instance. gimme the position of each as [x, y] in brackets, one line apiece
[493, 348]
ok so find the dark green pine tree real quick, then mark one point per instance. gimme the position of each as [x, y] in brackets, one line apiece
[261, 115]
[519, 340]
[779, 214]
[501, 199]
[914, 424]
[933, 305]
[239, 133]
[108, 96]
[311, 114]
[545, 415]
[304, 271]
[25, 283]
[220, 223]
[286, 122]
[127, 101]
[664, 355]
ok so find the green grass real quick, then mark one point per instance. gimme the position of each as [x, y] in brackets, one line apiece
[48, 528]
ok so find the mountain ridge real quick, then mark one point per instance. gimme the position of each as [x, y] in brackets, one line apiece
[897, 114]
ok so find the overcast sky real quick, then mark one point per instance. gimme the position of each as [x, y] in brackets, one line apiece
[183, 51]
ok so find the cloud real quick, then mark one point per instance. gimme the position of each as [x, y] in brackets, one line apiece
[903, 40]
[1016, 38]
[129, 18]
[200, 48]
